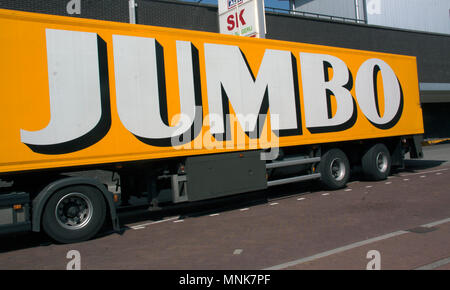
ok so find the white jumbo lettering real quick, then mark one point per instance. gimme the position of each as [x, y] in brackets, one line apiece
[367, 93]
[318, 89]
[140, 88]
[229, 77]
[75, 91]
[79, 91]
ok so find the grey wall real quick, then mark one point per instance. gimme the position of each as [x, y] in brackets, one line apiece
[113, 10]
[342, 8]
[424, 15]
[431, 50]
[178, 15]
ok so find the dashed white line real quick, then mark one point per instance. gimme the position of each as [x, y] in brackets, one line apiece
[238, 252]
[178, 221]
[369, 186]
[244, 209]
[274, 203]
[405, 179]
[214, 214]
[348, 189]
[422, 176]
[325, 194]
[388, 182]
[301, 198]
[424, 172]
[138, 227]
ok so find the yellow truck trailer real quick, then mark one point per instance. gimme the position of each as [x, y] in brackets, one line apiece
[184, 116]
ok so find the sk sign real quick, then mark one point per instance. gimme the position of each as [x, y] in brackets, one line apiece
[243, 17]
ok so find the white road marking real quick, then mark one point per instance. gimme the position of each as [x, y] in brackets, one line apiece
[214, 214]
[138, 228]
[238, 252]
[436, 223]
[348, 189]
[405, 179]
[422, 176]
[439, 173]
[325, 194]
[301, 198]
[388, 182]
[274, 203]
[435, 264]
[244, 209]
[153, 223]
[178, 221]
[424, 172]
[335, 251]
[369, 186]
[355, 245]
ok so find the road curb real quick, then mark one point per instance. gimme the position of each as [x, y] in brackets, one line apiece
[434, 141]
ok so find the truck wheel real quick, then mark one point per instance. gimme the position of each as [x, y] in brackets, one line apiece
[74, 214]
[334, 168]
[376, 162]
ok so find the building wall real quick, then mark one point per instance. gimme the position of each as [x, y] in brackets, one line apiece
[436, 120]
[113, 10]
[423, 15]
[178, 15]
[431, 50]
[341, 8]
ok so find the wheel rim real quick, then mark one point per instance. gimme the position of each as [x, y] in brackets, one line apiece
[337, 169]
[382, 162]
[74, 211]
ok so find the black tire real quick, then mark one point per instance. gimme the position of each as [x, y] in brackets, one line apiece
[74, 214]
[376, 162]
[334, 168]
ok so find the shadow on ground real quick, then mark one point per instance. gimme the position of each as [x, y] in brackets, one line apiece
[412, 165]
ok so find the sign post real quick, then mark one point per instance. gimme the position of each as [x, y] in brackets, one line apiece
[242, 17]
[132, 11]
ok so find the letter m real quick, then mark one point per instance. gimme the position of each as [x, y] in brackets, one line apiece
[231, 81]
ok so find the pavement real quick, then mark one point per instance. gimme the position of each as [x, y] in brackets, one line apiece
[400, 223]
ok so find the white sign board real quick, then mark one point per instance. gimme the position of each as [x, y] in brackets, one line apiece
[242, 17]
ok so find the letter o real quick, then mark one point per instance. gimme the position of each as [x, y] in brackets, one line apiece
[367, 95]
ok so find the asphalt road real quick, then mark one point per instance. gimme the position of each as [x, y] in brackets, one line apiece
[399, 223]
